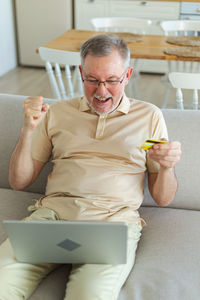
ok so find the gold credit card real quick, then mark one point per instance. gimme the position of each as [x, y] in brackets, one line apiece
[149, 144]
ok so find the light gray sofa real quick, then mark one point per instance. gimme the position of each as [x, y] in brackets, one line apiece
[167, 266]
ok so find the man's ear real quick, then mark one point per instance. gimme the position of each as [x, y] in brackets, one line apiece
[128, 75]
[80, 69]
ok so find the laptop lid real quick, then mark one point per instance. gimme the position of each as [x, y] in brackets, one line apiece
[68, 241]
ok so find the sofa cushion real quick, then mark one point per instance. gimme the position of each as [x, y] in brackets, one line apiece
[168, 257]
[14, 206]
[184, 126]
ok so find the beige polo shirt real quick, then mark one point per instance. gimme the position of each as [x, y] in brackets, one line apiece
[99, 170]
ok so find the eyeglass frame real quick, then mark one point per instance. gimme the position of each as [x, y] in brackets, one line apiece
[98, 82]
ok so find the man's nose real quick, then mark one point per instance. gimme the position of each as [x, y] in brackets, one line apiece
[101, 89]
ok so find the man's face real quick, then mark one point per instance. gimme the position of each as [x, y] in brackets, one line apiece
[104, 98]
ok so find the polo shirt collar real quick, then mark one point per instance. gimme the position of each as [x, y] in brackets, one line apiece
[83, 104]
[123, 107]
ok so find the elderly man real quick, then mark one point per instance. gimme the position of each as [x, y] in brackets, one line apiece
[98, 171]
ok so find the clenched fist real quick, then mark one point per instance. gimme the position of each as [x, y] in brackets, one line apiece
[34, 112]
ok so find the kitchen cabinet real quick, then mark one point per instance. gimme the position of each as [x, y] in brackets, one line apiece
[154, 10]
[38, 22]
[84, 10]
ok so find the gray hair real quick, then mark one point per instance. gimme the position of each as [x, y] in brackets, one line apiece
[103, 45]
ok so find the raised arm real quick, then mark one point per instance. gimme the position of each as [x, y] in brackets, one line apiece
[24, 170]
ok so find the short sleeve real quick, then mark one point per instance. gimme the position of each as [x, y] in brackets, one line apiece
[159, 131]
[41, 143]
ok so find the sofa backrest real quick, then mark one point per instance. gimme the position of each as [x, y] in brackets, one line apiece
[183, 126]
[11, 120]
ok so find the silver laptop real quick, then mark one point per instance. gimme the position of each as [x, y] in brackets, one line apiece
[68, 242]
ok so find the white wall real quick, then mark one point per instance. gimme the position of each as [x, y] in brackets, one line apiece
[39, 22]
[8, 57]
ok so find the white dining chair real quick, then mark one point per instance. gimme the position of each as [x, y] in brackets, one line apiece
[63, 72]
[183, 80]
[179, 28]
[121, 24]
[124, 24]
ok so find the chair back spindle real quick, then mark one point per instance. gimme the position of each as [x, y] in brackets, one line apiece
[190, 81]
[57, 62]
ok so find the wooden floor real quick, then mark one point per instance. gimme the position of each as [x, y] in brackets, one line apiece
[26, 81]
[34, 82]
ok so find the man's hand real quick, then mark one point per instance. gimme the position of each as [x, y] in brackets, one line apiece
[166, 154]
[34, 112]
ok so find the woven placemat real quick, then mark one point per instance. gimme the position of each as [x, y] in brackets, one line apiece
[126, 36]
[183, 51]
[184, 40]
[129, 37]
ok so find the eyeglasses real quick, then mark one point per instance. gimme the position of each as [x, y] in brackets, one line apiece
[107, 83]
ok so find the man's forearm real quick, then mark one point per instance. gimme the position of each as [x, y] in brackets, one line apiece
[164, 187]
[21, 167]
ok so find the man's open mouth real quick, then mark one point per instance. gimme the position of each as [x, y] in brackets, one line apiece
[102, 100]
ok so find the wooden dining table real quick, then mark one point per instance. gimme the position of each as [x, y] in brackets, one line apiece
[145, 47]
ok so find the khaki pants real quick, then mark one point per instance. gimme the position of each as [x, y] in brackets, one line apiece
[91, 281]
